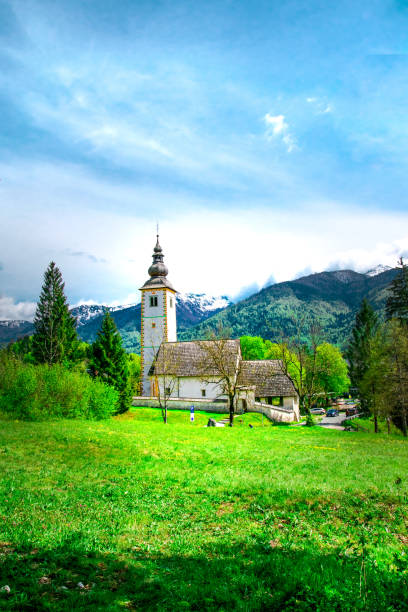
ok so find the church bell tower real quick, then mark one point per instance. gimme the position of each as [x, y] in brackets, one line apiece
[158, 316]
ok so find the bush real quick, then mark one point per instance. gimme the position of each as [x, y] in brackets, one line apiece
[309, 421]
[43, 392]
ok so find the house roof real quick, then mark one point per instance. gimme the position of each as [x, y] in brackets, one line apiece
[196, 358]
[267, 377]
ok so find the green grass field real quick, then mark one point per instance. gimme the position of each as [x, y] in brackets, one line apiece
[181, 517]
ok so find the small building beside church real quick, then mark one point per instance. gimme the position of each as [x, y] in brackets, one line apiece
[192, 372]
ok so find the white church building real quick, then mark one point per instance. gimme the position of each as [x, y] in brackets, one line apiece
[188, 373]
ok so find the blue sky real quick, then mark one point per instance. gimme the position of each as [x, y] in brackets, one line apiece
[268, 138]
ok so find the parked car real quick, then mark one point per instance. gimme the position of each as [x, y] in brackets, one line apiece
[333, 412]
[317, 411]
[351, 411]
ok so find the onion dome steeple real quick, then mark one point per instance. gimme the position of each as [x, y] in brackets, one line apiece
[158, 270]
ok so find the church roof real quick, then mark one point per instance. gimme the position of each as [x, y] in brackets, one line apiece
[267, 377]
[158, 282]
[196, 358]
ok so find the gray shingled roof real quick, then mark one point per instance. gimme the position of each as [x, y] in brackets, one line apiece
[158, 282]
[195, 358]
[267, 377]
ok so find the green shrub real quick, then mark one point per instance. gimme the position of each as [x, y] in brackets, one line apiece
[309, 421]
[43, 392]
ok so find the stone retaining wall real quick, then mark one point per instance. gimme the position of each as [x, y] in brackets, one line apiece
[273, 413]
[176, 403]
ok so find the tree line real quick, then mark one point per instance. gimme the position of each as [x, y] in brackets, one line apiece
[378, 356]
[55, 345]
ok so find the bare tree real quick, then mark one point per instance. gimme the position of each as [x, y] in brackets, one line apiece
[299, 359]
[164, 376]
[220, 363]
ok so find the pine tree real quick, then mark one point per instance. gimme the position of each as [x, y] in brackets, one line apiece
[358, 352]
[55, 338]
[108, 361]
[397, 302]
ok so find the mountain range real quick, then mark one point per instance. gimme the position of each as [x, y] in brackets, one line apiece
[191, 310]
[330, 298]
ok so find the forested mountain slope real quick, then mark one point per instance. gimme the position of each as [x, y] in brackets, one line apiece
[329, 298]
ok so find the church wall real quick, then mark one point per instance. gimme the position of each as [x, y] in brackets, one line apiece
[153, 331]
[191, 387]
[170, 298]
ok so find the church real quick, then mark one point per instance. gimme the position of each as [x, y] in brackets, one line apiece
[203, 373]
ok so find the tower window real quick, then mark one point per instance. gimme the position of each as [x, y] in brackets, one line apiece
[153, 300]
[171, 302]
[203, 394]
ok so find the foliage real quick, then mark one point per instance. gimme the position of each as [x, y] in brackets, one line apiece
[134, 366]
[397, 302]
[331, 370]
[309, 421]
[108, 361]
[385, 383]
[253, 347]
[55, 338]
[189, 518]
[323, 297]
[281, 351]
[23, 349]
[299, 359]
[43, 392]
[358, 351]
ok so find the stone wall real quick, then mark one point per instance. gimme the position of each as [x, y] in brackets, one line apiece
[273, 413]
[175, 403]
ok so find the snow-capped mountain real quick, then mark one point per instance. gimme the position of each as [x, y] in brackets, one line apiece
[10, 331]
[86, 312]
[197, 305]
[378, 270]
[203, 301]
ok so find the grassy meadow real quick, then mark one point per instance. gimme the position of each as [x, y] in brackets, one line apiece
[130, 514]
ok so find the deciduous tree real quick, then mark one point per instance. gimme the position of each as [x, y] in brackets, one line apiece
[221, 364]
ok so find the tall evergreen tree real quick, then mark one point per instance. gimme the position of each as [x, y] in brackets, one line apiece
[55, 338]
[358, 352]
[108, 361]
[397, 302]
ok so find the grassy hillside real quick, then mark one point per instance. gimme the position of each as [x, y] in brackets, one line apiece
[129, 514]
[330, 298]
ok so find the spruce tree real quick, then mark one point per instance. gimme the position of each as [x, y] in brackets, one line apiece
[397, 302]
[55, 338]
[358, 352]
[108, 361]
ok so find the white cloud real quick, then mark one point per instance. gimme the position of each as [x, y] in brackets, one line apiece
[276, 126]
[207, 249]
[11, 310]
